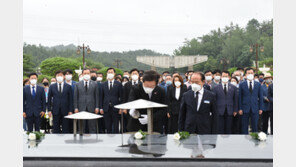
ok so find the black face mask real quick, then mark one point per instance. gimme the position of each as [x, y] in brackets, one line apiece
[45, 83]
[93, 78]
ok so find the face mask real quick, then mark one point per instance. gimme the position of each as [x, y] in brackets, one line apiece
[163, 77]
[268, 81]
[168, 82]
[238, 78]
[93, 78]
[178, 83]
[225, 79]
[99, 78]
[256, 79]
[60, 79]
[242, 73]
[195, 87]
[135, 77]
[68, 77]
[45, 83]
[33, 81]
[86, 77]
[217, 78]
[126, 76]
[123, 83]
[81, 78]
[261, 80]
[110, 76]
[147, 90]
[208, 78]
[233, 83]
[250, 77]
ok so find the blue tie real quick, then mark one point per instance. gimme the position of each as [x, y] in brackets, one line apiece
[33, 92]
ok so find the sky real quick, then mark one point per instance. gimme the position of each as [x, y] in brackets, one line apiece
[123, 25]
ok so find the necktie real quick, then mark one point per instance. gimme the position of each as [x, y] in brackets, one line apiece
[110, 86]
[33, 92]
[197, 100]
[85, 86]
[134, 83]
[60, 88]
[250, 88]
[225, 91]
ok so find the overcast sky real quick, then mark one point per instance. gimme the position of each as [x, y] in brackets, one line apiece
[122, 25]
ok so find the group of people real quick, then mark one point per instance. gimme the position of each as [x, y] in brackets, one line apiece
[212, 102]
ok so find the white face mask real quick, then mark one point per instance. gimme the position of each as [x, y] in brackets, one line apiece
[126, 76]
[209, 78]
[195, 87]
[99, 78]
[123, 83]
[163, 77]
[178, 83]
[68, 77]
[135, 77]
[233, 83]
[225, 79]
[86, 77]
[217, 78]
[33, 81]
[256, 79]
[250, 77]
[147, 90]
[80, 78]
[52, 83]
[110, 76]
[238, 78]
[60, 79]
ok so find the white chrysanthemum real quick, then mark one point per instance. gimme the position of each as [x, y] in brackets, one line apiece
[32, 136]
[177, 136]
[138, 135]
[32, 144]
[262, 136]
[138, 142]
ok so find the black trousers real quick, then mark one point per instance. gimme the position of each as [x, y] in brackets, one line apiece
[173, 124]
[33, 121]
[111, 120]
[60, 124]
[260, 123]
[266, 115]
[125, 121]
[225, 123]
[236, 124]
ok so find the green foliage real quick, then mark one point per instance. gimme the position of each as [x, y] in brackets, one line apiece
[254, 135]
[28, 65]
[51, 65]
[184, 135]
[231, 70]
[39, 135]
[104, 71]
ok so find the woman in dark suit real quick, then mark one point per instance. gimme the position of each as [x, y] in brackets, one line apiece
[174, 97]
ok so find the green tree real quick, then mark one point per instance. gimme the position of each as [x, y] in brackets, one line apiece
[28, 65]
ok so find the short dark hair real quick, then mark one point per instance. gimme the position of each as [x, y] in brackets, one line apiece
[125, 78]
[58, 71]
[69, 71]
[93, 72]
[239, 69]
[217, 71]
[111, 68]
[125, 71]
[44, 79]
[208, 71]
[256, 75]
[200, 74]
[85, 69]
[116, 78]
[33, 73]
[134, 69]
[261, 74]
[189, 71]
[227, 72]
[25, 81]
[165, 72]
[248, 69]
[235, 79]
[100, 73]
[151, 75]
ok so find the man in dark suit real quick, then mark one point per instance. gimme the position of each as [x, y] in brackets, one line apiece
[148, 90]
[86, 98]
[60, 103]
[111, 95]
[126, 91]
[33, 103]
[250, 101]
[68, 79]
[227, 103]
[198, 112]
[270, 98]
[101, 121]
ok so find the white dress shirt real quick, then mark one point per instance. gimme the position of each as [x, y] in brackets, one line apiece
[200, 94]
[135, 81]
[70, 82]
[248, 81]
[178, 91]
[226, 86]
[62, 86]
[35, 87]
[87, 83]
[109, 83]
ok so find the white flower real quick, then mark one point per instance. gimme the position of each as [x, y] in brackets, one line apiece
[32, 144]
[42, 131]
[262, 136]
[138, 142]
[32, 136]
[138, 135]
[177, 136]
[46, 116]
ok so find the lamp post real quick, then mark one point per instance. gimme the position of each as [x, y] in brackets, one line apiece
[256, 46]
[224, 61]
[83, 48]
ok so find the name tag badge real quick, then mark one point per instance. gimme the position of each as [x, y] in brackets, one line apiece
[207, 101]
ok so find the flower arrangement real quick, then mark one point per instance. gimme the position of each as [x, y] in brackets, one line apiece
[261, 136]
[181, 135]
[140, 135]
[35, 135]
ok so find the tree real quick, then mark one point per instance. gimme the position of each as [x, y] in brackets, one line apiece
[51, 65]
[28, 65]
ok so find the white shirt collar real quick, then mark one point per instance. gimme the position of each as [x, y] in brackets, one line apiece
[135, 81]
[111, 81]
[200, 92]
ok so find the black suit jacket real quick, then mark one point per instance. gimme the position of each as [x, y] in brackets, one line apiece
[158, 96]
[33, 106]
[110, 97]
[172, 102]
[202, 122]
[126, 90]
[62, 100]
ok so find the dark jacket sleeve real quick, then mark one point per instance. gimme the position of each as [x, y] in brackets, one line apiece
[214, 115]
[240, 98]
[24, 100]
[97, 95]
[182, 114]
[43, 100]
[169, 100]
[235, 100]
[70, 99]
[260, 98]
[160, 113]
[270, 94]
[120, 94]
[76, 94]
[50, 98]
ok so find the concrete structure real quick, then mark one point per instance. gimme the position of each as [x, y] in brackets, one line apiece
[172, 61]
